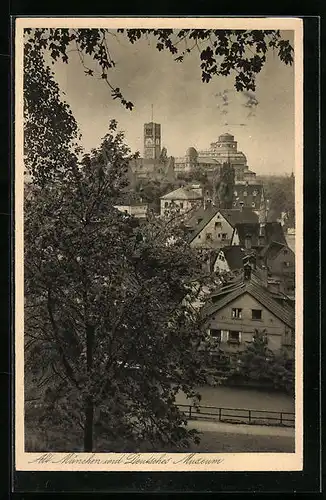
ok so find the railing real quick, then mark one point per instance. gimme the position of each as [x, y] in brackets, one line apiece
[239, 415]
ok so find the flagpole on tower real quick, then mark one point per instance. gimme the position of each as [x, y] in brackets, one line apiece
[152, 113]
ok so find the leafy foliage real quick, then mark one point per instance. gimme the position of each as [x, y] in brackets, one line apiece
[224, 187]
[280, 193]
[110, 329]
[221, 52]
[50, 130]
[258, 364]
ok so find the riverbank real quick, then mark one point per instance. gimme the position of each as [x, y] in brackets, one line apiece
[242, 397]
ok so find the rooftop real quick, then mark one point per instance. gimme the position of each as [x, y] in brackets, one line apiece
[257, 290]
[236, 215]
[184, 193]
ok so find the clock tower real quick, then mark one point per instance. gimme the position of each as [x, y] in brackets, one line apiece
[152, 140]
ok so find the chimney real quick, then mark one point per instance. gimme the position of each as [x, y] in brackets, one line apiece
[207, 203]
[274, 285]
[247, 272]
[248, 242]
[261, 237]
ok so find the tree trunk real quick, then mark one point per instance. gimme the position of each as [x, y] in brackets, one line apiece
[89, 405]
[88, 426]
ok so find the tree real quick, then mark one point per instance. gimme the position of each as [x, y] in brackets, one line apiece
[241, 53]
[258, 364]
[150, 192]
[224, 187]
[280, 191]
[109, 325]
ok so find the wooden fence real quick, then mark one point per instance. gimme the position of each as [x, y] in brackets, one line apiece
[239, 415]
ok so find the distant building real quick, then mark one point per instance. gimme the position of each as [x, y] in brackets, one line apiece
[257, 235]
[140, 211]
[250, 195]
[280, 262]
[152, 140]
[225, 150]
[211, 227]
[229, 258]
[240, 307]
[155, 164]
[184, 199]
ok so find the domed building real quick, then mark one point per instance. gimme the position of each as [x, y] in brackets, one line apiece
[225, 150]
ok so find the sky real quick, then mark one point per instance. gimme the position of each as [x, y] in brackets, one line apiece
[188, 110]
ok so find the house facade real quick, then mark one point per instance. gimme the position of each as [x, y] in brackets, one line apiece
[184, 199]
[250, 195]
[238, 310]
[212, 227]
[280, 262]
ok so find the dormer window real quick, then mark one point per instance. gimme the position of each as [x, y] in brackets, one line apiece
[235, 193]
[254, 193]
[245, 193]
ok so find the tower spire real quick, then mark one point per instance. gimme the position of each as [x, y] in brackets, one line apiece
[152, 113]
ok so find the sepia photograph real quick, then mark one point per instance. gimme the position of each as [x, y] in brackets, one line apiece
[158, 245]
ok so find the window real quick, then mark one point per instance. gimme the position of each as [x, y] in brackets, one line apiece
[253, 204]
[234, 337]
[236, 313]
[166, 204]
[245, 193]
[235, 193]
[218, 225]
[285, 252]
[199, 220]
[216, 334]
[254, 193]
[219, 235]
[208, 236]
[224, 235]
[256, 314]
[286, 264]
[181, 205]
[287, 339]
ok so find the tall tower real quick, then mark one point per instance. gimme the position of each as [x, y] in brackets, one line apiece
[152, 140]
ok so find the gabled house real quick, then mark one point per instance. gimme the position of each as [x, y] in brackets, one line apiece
[280, 262]
[233, 258]
[184, 199]
[257, 235]
[228, 259]
[239, 308]
[211, 227]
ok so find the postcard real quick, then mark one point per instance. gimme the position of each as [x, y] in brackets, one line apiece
[158, 244]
